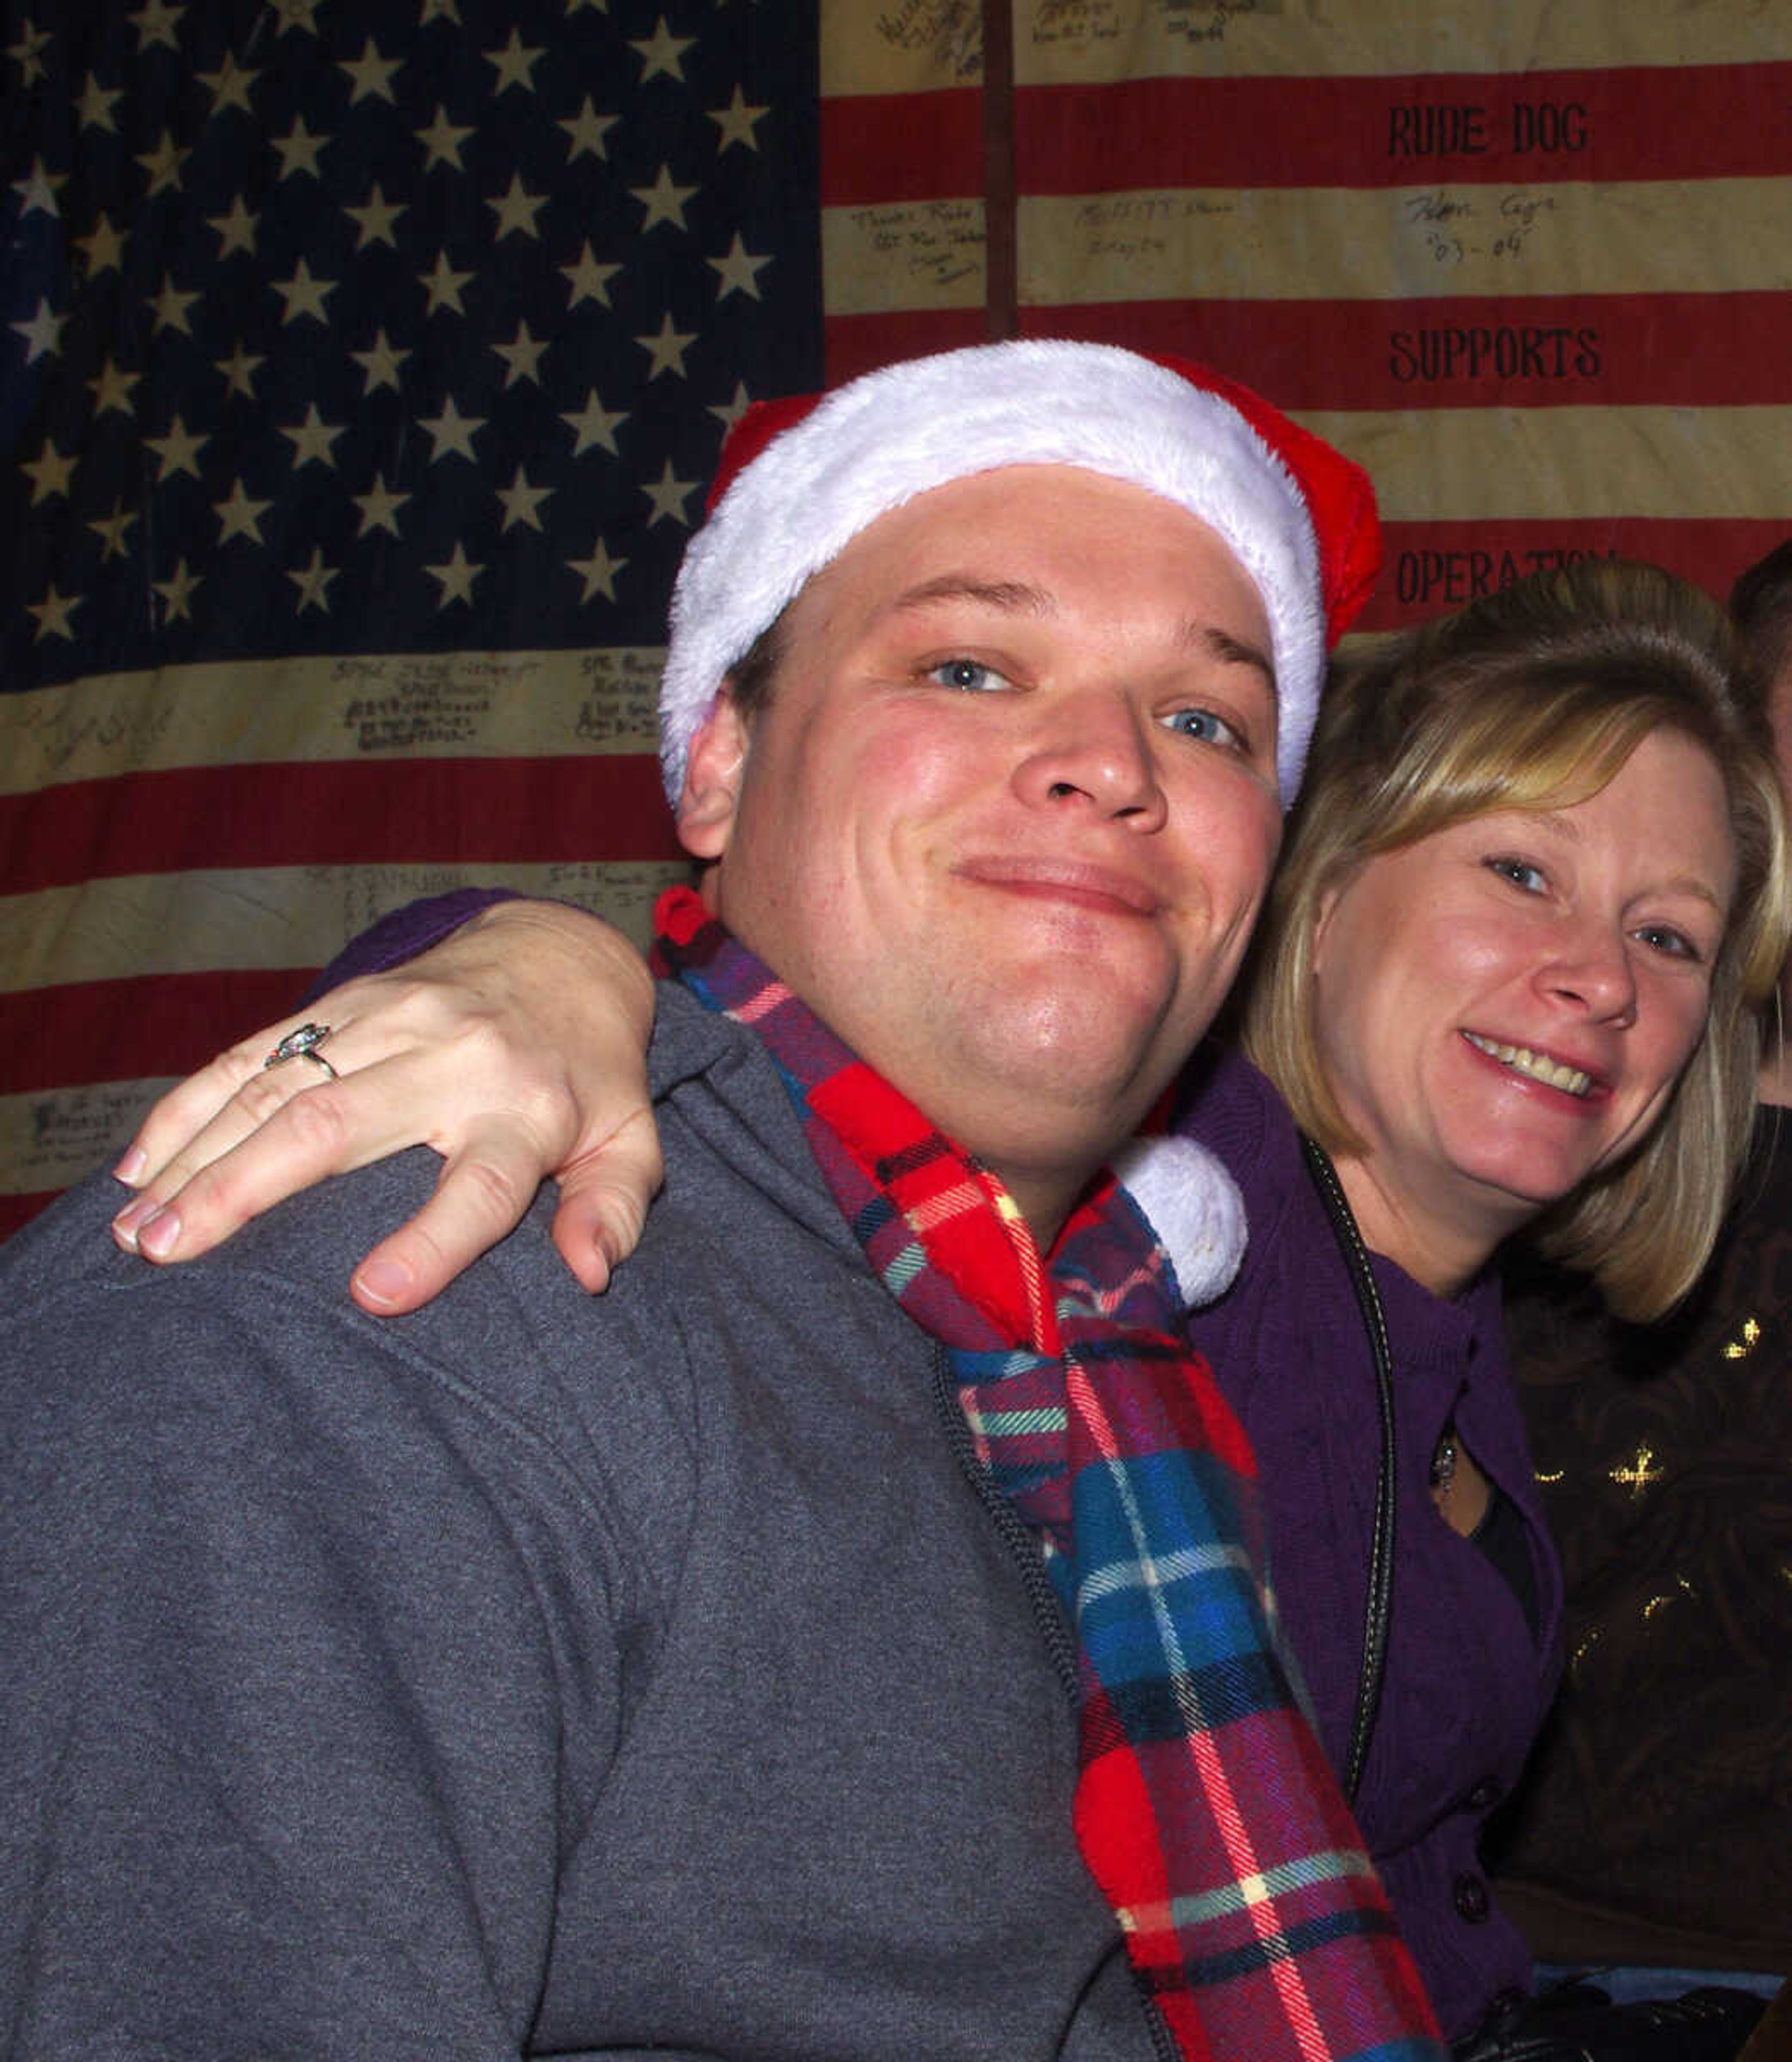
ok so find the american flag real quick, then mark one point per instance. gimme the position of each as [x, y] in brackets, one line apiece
[361, 367]
[363, 370]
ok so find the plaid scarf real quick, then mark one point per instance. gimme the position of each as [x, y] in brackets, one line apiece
[1205, 1807]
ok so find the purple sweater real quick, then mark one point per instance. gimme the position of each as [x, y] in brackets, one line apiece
[1466, 1685]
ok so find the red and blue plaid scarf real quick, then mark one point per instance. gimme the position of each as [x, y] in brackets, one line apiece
[1205, 1807]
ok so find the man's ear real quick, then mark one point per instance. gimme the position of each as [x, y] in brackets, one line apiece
[713, 767]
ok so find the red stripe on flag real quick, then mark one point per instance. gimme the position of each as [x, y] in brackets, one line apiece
[888, 149]
[338, 813]
[135, 1028]
[1677, 349]
[1432, 567]
[1689, 122]
[853, 344]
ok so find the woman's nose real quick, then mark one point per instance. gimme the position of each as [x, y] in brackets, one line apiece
[1592, 967]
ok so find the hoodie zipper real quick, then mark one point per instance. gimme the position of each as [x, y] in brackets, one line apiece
[1048, 1613]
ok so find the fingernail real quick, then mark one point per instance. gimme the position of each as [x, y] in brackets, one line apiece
[383, 1281]
[131, 1220]
[130, 1169]
[157, 1233]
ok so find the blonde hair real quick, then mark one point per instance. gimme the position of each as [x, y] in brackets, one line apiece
[1533, 698]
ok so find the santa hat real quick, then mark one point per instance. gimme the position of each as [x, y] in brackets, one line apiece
[800, 479]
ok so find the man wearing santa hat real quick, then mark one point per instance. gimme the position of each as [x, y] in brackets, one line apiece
[849, 1636]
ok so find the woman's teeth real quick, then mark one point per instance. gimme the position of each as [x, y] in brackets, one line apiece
[1522, 1061]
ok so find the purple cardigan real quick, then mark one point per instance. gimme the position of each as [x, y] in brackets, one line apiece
[1466, 1685]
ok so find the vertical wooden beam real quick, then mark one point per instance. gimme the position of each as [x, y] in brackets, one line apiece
[1001, 290]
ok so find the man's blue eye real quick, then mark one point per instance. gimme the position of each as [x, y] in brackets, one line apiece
[1203, 723]
[969, 676]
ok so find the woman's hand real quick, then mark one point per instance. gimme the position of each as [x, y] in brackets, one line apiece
[515, 1049]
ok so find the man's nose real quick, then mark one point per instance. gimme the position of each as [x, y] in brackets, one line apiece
[1096, 751]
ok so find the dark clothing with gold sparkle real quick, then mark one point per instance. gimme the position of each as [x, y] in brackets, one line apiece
[1656, 1824]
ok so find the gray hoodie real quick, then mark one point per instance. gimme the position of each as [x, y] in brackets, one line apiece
[535, 1674]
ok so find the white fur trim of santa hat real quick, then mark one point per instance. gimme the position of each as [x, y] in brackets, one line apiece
[1193, 1205]
[897, 432]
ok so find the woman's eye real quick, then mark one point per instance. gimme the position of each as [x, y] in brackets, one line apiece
[969, 676]
[1203, 723]
[1519, 871]
[1676, 944]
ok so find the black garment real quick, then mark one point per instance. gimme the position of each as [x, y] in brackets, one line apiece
[1655, 1823]
[1578, 2022]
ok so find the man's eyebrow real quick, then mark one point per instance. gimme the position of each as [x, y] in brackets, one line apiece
[1013, 597]
[1022, 598]
[1233, 651]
